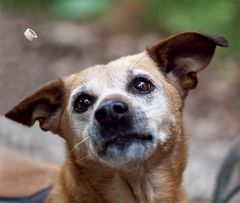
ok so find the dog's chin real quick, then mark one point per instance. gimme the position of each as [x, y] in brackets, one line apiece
[124, 151]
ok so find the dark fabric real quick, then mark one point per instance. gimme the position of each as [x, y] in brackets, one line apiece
[38, 197]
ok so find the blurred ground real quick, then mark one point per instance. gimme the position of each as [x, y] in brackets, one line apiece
[212, 112]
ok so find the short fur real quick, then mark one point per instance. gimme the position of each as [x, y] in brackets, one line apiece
[144, 172]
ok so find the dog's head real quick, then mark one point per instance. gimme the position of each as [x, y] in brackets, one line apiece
[128, 110]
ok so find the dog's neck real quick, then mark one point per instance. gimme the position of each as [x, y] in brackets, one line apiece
[143, 184]
[138, 185]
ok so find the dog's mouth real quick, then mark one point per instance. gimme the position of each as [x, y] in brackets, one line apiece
[125, 140]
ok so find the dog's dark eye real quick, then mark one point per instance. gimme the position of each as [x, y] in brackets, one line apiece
[82, 103]
[142, 85]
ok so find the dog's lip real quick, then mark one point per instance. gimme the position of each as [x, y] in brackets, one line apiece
[121, 140]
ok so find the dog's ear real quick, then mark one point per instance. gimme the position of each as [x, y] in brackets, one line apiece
[181, 56]
[43, 105]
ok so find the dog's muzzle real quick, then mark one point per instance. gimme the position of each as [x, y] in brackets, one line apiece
[120, 134]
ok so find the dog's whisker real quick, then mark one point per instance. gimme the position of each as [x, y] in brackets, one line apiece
[77, 145]
[79, 160]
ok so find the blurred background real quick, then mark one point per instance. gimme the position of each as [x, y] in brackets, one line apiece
[75, 34]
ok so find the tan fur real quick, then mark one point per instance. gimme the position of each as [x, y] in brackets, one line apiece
[85, 177]
[157, 180]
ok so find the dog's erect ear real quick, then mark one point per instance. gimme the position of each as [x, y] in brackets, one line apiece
[183, 55]
[43, 105]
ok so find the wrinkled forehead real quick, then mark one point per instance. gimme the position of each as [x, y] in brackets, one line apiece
[113, 75]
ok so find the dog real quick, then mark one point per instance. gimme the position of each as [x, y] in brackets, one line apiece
[122, 123]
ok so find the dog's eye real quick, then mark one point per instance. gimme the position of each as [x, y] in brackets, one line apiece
[142, 85]
[82, 103]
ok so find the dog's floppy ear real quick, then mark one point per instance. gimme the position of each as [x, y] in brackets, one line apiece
[181, 56]
[43, 105]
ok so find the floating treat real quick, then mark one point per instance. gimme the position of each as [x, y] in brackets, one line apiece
[30, 34]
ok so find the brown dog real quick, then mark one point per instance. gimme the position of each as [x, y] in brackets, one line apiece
[122, 123]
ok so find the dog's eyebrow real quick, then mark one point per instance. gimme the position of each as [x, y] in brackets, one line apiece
[79, 89]
[132, 74]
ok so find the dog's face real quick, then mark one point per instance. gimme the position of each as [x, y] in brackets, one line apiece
[120, 109]
[126, 111]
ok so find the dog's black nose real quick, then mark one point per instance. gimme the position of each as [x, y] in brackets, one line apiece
[111, 111]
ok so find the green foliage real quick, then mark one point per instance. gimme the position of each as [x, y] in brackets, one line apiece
[82, 9]
[210, 16]
[72, 9]
[26, 4]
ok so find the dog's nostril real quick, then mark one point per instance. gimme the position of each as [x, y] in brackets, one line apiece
[110, 112]
[120, 108]
[101, 114]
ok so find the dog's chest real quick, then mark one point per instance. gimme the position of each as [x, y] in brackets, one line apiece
[127, 190]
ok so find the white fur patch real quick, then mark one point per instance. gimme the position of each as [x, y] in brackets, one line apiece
[163, 137]
[112, 79]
